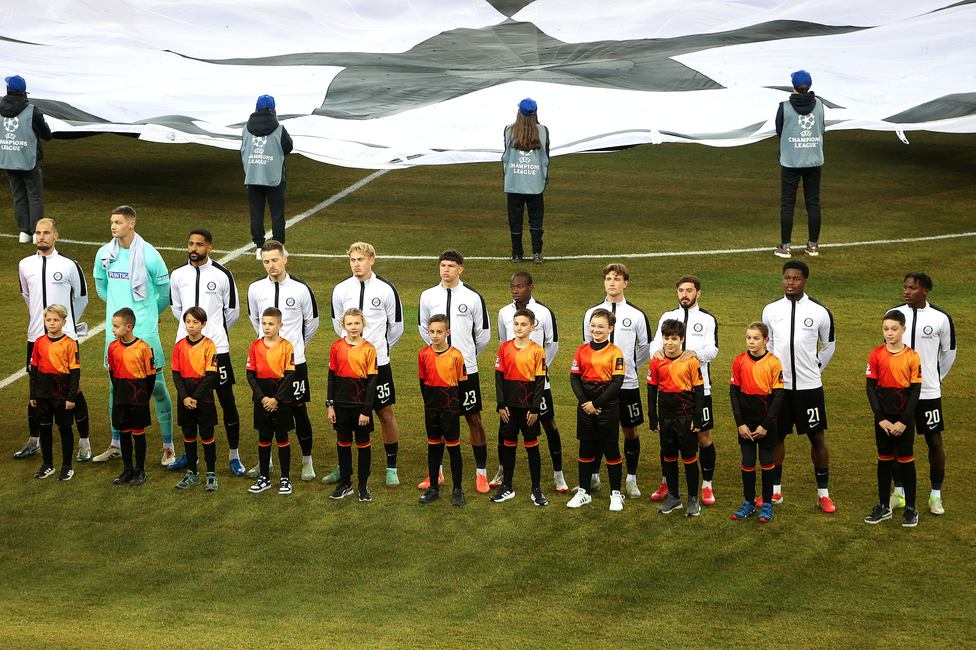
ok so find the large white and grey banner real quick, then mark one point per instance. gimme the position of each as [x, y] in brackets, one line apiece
[392, 83]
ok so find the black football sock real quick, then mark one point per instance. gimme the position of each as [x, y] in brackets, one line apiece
[67, 446]
[632, 454]
[344, 455]
[749, 484]
[81, 415]
[190, 448]
[455, 453]
[823, 477]
[896, 475]
[46, 434]
[691, 478]
[671, 474]
[125, 445]
[265, 439]
[210, 454]
[706, 456]
[232, 419]
[535, 465]
[884, 481]
[615, 473]
[435, 454]
[303, 429]
[209, 448]
[32, 421]
[766, 462]
[480, 456]
[509, 455]
[910, 478]
[392, 449]
[139, 445]
[363, 459]
[284, 459]
[555, 449]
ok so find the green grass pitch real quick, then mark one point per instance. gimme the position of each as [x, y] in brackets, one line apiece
[89, 564]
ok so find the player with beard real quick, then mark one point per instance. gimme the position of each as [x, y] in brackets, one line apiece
[700, 342]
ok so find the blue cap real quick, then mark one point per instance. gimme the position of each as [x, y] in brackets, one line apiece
[16, 84]
[801, 78]
[265, 104]
[527, 106]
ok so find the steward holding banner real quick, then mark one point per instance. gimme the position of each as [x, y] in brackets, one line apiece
[525, 167]
[264, 145]
[21, 155]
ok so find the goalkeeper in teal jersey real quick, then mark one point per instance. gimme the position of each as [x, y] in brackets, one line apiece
[130, 273]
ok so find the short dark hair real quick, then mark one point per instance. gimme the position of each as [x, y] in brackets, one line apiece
[451, 255]
[799, 266]
[127, 315]
[802, 88]
[694, 279]
[125, 211]
[896, 316]
[274, 312]
[273, 245]
[441, 318]
[528, 276]
[922, 279]
[617, 268]
[197, 312]
[604, 313]
[673, 327]
[203, 232]
[525, 312]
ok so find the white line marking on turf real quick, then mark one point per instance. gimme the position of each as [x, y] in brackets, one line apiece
[229, 257]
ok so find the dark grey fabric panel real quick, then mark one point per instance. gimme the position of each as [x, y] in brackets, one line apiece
[943, 108]
[461, 61]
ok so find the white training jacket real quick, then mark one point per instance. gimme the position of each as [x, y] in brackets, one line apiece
[701, 336]
[545, 334]
[299, 311]
[470, 325]
[52, 279]
[379, 301]
[209, 286]
[930, 332]
[631, 334]
[795, 329]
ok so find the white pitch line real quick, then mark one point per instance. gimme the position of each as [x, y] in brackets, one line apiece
[722, 251]
[229, 257]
